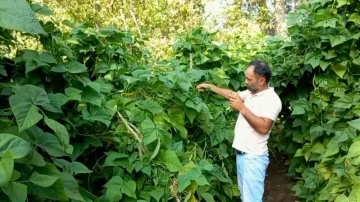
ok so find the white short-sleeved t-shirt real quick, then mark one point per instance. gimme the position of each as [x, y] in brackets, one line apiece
[263, 104]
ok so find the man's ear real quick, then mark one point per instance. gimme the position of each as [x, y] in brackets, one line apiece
[262, 80]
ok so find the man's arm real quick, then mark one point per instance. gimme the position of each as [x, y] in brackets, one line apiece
[262, 125]
[220, 91]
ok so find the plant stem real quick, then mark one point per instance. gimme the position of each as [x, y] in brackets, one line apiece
[136, 134]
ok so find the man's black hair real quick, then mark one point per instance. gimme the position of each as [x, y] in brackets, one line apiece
[261, 69]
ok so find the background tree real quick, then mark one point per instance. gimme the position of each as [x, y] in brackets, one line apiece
[157, 22]
[280, 17]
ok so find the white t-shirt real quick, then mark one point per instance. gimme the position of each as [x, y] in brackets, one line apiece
[263, 104]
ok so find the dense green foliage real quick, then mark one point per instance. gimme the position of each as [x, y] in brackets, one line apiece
[88, 118]
[317, 76]
[91, 118]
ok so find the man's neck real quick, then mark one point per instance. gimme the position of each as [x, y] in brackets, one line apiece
[260, 90]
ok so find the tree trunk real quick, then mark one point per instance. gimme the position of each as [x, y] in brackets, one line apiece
[280, 17]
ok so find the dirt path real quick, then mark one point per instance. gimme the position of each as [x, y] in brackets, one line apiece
[277, 184]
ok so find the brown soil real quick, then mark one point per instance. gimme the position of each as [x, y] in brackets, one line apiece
[277, 184]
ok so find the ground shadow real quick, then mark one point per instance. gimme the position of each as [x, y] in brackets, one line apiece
[277, 184]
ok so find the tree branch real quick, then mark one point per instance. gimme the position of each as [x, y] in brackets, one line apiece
[134, 19]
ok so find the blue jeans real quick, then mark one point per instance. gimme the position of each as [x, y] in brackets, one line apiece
[251, 170]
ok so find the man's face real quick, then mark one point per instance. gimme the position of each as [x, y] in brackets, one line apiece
[252, 81]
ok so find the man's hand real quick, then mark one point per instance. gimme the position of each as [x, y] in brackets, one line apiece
[219, 91]
[236, 102]
[202, 87]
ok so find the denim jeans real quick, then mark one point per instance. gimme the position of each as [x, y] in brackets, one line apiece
[251, 171]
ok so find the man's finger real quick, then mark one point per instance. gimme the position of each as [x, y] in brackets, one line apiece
[232, 99]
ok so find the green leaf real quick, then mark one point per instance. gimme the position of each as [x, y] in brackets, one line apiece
[93, 85]
[354, 18]
[26, 114]
[356, 60]
[298, 110]
[318, 148]
[185, 84]
[71, 187]
[55, 191]
[112, 157]
[355, 123]
[47, 57]
[96, 113]
[56, 102]
[157, 193]
[189, 103]
[114, 186]
[171, 161]
[156, 151]
[342, 198]
[59, 130]
[201, 181]
[338, 39]
[88, 197]
[339, 69]
[2, 71]
[355, 193]
[34, 63]
[191, 114]
[42, 10]
[331, 150]
[208, 197]
[42, 180]
[79, 168]
[206, 165]
[129, 189]
[192, 173]
[354, 150]
[63, 164]
[37, 159]
[311, 178]
[18, 146]
[220, 78]
[324, 20]
[344, 102]
[75, 67]
[6, 168]
[73, 93]
[46, 141]
[92, 96]
[73, 167]
[356, 36]
[150, 106]
[111, 107]
[16, 191]
[104, 86]
[23, 105]
[324, 64]
[341, 3]
[177, 118]
[59, 68]
[18, 15]
[15, 175]
[150, 132]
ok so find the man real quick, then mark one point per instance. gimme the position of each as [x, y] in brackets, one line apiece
[259, 107]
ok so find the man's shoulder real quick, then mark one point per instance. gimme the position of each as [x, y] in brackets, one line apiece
[274, 98]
